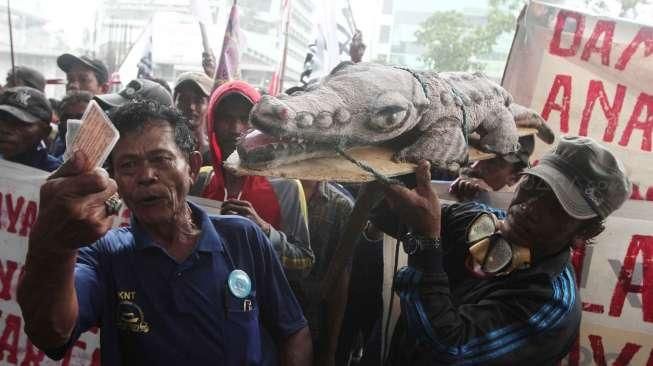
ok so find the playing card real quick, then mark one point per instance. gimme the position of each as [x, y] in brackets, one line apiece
[96, 136]
[72, 127]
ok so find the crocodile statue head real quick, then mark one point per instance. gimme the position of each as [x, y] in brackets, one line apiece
[422, 115]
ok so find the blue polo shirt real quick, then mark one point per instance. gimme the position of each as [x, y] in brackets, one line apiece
[153, 310]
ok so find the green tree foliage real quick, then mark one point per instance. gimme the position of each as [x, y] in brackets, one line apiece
[448, 41]
[627, 8]
[451, 42]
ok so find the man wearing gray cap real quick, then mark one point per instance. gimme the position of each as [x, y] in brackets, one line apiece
[25, 116]
[142, 89]
[25, 76]
[492, 287]
[191, 95]
[84, 73]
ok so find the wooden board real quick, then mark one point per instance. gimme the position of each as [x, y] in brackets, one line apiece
[341, 170]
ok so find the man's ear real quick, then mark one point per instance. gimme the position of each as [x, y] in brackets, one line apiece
[195, 163]
[587, 233]
[105, 88]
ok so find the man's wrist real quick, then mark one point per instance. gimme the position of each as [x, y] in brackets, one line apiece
[44, 242]
[49, 249]
[415, 244]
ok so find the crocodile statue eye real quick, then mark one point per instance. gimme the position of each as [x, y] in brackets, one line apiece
[389, 118]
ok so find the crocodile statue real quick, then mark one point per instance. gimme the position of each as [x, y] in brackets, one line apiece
[421, 115]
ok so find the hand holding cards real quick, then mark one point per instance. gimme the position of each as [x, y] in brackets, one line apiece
[95, 137]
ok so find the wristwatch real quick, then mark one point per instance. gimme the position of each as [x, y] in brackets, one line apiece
[414, 244]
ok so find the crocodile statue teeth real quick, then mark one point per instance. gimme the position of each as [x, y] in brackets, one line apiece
[421, 115]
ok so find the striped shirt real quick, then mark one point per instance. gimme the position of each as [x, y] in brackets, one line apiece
[328, 213]
[292, 243]
[531, 316]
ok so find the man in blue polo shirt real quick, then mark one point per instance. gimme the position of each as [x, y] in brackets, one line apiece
[25, 116]
[177, 286]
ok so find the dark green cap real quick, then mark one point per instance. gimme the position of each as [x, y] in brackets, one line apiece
[587, 178]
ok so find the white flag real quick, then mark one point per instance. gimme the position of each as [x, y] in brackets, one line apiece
[129, 68]
[201, 11]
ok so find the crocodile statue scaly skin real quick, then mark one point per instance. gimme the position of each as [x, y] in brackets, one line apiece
[421, 115]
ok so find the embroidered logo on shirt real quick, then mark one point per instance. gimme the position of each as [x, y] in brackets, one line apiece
[130, 316]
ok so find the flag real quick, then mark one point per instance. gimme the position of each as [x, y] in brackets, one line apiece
[333, 31]
[145, 66]
[138, 62]
[275, 83]
[275, 86]
[229, 65]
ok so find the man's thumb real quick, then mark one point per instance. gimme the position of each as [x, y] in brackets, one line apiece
[423, 175]
[76, 165]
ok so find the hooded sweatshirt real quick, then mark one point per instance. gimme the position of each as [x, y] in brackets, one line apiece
[256, 190]
[280, 202]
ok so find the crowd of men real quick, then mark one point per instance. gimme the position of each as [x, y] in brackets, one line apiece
[179, 286]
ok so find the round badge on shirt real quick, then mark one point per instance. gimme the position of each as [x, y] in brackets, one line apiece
[239, 283]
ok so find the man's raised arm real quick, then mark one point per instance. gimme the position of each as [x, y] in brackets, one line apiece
[72, 214]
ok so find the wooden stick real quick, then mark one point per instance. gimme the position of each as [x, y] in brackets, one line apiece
[205, 39]
[368, 197]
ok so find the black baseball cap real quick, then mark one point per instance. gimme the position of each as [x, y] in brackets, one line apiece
[26, 76]
[27, 104]
[67, 61]
[136, 89]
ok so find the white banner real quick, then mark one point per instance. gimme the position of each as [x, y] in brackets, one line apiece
[589, 76]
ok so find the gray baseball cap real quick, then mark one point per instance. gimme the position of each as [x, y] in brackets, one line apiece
[199, 79]
[26, 76]
[587, 179]
[27, 104]
[136, 89]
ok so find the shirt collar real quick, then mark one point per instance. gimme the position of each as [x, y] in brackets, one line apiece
[553, 264]
[209, 239]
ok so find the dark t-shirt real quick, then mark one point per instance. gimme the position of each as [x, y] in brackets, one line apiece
[155, 311]
[38, 158]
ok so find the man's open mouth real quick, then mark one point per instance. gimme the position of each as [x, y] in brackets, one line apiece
[149, 200]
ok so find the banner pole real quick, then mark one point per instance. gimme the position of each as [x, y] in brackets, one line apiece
[284, 56]
[514, 39]
[205, 39]
[11, 44]
[351, 15]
